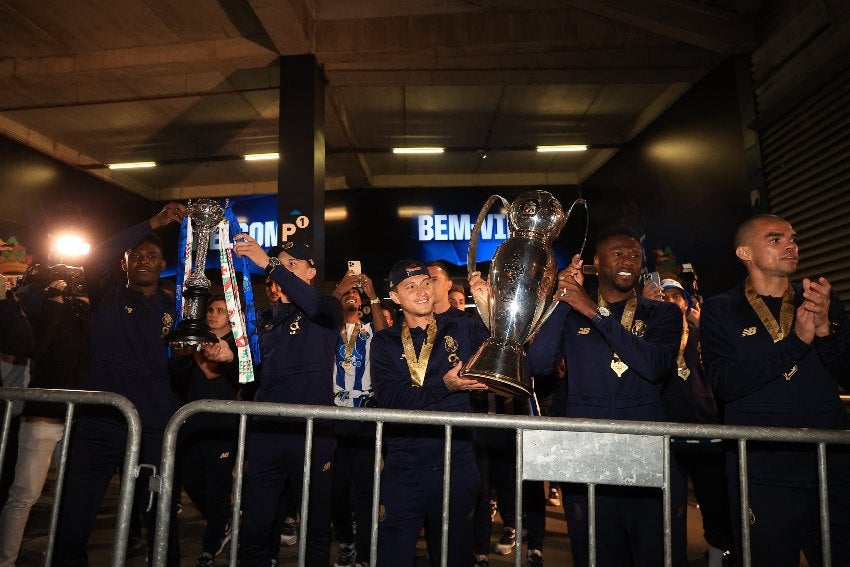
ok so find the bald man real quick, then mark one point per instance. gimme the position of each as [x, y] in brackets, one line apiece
[775, 353]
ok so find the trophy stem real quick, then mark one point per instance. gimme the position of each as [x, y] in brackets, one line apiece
[202, 244]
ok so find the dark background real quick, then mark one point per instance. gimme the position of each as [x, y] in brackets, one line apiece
[682, 183]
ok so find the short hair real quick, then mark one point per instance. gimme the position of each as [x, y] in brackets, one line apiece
[153, 238]
[745, 228]
[612, 231]
[458, 288]
[439, 264]
[216, 297]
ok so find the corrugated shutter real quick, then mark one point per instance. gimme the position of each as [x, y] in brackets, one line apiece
[806, 159]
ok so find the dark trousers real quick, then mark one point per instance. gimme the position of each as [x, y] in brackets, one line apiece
[207, 475]
[413, 497]
[496, 454]
[786, 520]
[96, 452]
[275, 455]
[628, 525]
[352, 489]
[705, 467]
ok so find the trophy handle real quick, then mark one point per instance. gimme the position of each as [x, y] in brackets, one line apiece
[472, 254]
[551, 304]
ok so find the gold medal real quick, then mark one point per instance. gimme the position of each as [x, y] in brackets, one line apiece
[618, 366]
[683, 372]
[347, 358]
[295, 326]
[790, 372]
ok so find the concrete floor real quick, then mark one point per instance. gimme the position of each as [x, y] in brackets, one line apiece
[191, 527]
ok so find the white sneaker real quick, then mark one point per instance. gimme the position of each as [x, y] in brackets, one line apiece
[288, 532]
[507, 542]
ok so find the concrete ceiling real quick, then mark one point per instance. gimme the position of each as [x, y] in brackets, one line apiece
[193, 84]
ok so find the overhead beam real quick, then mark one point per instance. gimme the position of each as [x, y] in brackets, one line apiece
[118, 64]
[480, 33]
[681, 20]
[289, 24]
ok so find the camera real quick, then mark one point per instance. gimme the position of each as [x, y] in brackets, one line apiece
[44, 275]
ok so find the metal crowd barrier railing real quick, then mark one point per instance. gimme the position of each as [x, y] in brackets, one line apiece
[71, 399]
[593, 452]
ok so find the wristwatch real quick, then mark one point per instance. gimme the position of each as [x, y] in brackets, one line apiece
[601, 313]
[273, 263]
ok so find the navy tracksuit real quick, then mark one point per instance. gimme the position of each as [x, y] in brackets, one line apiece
[691, 400]
[412, 477]
[297, 344]
[207, 445]
[129, 357]
[752, 376]
[593, 390]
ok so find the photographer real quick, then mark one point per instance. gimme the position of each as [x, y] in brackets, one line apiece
[61, 319]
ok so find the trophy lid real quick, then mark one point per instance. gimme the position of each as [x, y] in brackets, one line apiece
[205, 212]
[537, 211]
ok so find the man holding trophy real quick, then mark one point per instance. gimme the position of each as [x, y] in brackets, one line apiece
[131, 315]
[618, 348]
[298, 345]
[415, 366]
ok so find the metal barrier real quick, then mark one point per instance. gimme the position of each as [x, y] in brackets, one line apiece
[635, 454]
[72, 398]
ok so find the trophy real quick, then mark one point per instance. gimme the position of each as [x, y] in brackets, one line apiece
[522, 280]
[205, 215]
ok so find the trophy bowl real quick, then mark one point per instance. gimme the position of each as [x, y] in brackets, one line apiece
[522, 280]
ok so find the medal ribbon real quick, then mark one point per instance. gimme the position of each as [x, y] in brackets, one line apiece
[248, 312]
[682, 366]
[780, 330]
[184, 255]
[628, 316]
[234, 307]
[349, 343]
[418, 364]
[626, 320]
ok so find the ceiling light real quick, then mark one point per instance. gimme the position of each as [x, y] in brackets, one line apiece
[336, 214]
[408, 212]
[418, 150]
[571, 148]
[131, 165]
[260, 157]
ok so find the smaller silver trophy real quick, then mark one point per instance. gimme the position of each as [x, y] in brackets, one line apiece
[193, 329]
[522, 279]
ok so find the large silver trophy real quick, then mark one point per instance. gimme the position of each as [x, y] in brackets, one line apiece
[522, 280]
[193, 329]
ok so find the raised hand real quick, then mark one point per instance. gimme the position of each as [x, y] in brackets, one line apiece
[172, 212]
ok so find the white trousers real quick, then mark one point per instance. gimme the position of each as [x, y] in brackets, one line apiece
[36, 443]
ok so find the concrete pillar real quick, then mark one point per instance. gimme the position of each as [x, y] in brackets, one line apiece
[301, 168]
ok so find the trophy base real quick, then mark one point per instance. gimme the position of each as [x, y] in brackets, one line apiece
[190, 335]
[500, 363]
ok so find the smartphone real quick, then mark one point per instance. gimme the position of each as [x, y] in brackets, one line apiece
[354, 266]
[652, 277]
